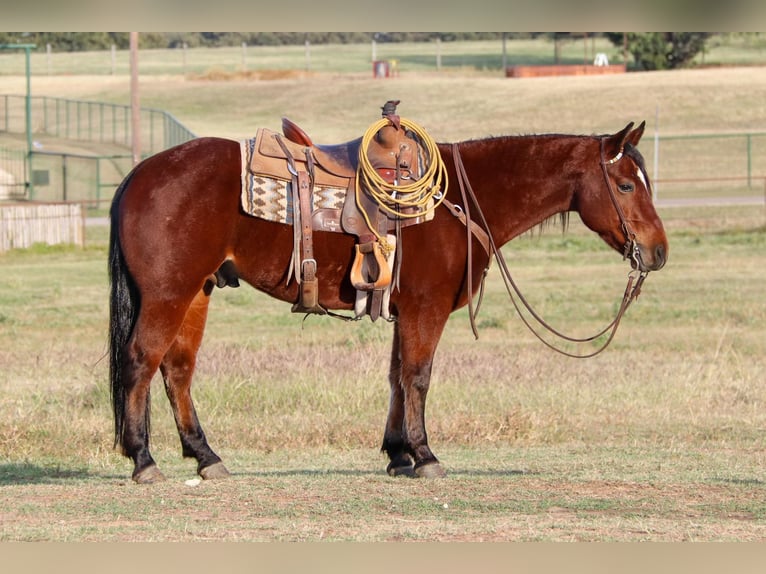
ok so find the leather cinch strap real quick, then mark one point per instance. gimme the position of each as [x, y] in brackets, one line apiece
[302, 187]
[309, 287]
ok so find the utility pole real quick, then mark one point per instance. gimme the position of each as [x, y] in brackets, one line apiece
[135, 109]
[505, 53]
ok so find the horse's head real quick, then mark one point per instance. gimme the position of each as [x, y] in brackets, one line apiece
[616, 200]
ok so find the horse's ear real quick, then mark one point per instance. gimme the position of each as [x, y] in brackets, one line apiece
[615, 144]
[636, 134]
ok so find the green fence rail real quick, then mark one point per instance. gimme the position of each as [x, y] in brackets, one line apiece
[707, 164]
[96, 122]
[80, 148]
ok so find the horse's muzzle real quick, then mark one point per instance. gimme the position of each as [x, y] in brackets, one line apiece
[650, 259]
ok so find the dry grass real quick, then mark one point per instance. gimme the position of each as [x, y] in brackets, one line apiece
[451, 106]
[218, 75]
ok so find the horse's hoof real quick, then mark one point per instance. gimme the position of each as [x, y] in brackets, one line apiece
[430, 470]
[214, 471]
[402, 470]
[149, 475]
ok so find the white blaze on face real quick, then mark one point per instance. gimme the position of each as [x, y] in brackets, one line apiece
[640, 175]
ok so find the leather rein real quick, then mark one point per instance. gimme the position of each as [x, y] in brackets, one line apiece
[632, 289]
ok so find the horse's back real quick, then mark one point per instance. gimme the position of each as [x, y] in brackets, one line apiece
[174, 183]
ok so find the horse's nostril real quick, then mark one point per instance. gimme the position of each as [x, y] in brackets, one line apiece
[660, 256]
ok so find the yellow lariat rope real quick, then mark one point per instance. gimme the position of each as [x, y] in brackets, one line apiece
[392, 197]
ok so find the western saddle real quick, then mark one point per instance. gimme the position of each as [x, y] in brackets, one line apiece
[395, 153]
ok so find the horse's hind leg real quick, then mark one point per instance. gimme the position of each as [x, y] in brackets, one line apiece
[148, 344]
[177, 369]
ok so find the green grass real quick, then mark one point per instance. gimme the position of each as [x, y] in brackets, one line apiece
[470, 56]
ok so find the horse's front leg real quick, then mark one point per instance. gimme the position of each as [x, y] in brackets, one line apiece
[394, 438]
[405, 439]
[177, 369]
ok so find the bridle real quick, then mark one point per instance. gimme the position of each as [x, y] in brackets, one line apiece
[630, 249]
[632, 290]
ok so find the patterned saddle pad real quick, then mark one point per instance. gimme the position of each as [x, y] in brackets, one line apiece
[271, 198]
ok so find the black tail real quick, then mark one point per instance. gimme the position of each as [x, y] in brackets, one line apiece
[124, 304]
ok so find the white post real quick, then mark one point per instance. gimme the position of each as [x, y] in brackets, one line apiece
[114, 59]
[438, 54]
[374, 50]
[244, 56]
[308, 56]
[48, 57]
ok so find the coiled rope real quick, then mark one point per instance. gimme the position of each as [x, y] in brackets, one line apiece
[393, 197]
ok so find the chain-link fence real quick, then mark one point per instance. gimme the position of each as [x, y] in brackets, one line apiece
[13, 173]
[80, 150]
[85, 179]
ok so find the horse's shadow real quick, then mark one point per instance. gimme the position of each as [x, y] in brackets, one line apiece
[463, 473]
[16, 474]
[27, 473]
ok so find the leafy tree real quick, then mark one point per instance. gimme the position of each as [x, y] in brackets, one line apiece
[661, 50]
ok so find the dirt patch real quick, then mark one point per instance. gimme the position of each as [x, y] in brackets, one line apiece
[293, 505]
[218, 75]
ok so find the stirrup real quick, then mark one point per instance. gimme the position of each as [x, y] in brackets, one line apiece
[308, 290]
[384, 271]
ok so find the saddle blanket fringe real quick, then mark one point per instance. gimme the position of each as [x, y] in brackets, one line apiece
[271, 198]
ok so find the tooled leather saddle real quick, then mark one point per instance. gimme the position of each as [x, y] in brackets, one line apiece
[311, 170]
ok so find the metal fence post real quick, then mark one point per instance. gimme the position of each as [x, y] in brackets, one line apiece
[749, 161]
[98, 182]
[655, 176]
[64, 176]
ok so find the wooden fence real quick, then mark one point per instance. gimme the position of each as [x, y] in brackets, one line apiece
[24, 224]
[564, 70]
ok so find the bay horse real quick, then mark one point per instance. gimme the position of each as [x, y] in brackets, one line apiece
[176, 221]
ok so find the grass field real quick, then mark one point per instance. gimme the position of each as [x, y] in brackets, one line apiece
[660, 438]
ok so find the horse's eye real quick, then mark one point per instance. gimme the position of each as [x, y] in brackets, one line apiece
[626, 187]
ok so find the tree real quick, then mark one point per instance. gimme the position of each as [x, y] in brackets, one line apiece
[661, 50]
